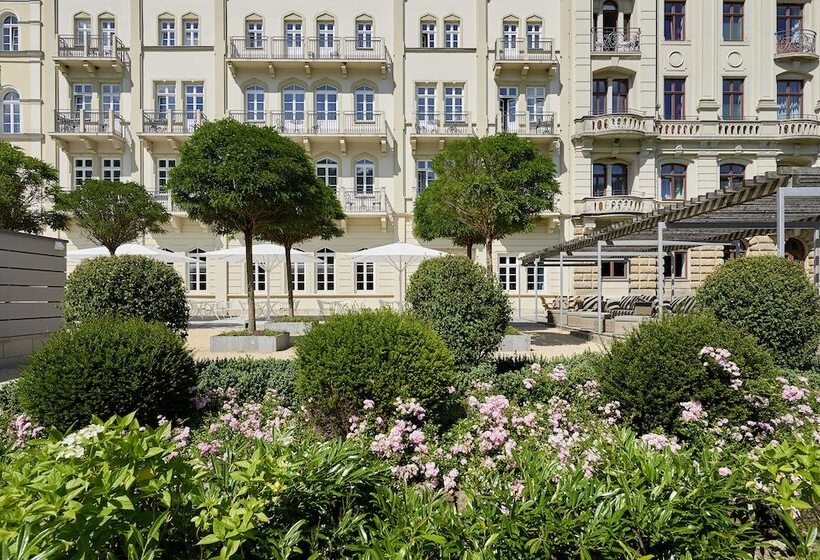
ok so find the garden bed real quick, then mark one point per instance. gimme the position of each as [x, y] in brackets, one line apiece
[242, 341]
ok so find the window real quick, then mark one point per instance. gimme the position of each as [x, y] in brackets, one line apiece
[789, 99]
[254, 39]
[614, 270]
[197, 271]
[365, 99]
[326, 104]
[508, 273]
[674, 92]
[294, 104]
[733, 99]
[325, 270]
[599, 90]
[111, 169]
[426, 103]
[164, 167]
[732, 174]
[536, 102]
[167, 32]
[293, 39]
[674, 16]
[365, 276]
[194, 100]
[619, 179]
[509, 36]
[732, 21]
[110, 98]
[364, 35]
[674, 265]
[734, 250]
[255, 104]
[82, 98]
[536, 279]
[610, 180]
[673, 181]
[166, 99]
[620, 95]
[452, 34]
[534, 36]
[83, 170]
[325, 30]
[298, 276]
[365, 176]
[82, 31]
[108, 34]
[424, 175]
[599, 179]
[11, 113]
[454, 104]
[190, 28]
[328, 172]
[789, 22]
[428, 34]
[11, 33]
[260, 278]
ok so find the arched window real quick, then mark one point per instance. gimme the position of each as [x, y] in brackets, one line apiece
[795, 250]
[365, 104]
[365, 177]
[11, 113]
[197, 271]
[294, 107]
[11, 33]
[255, 104]
[325, 270]
[732, 174]
[328, 172]
[673, 181]
[326, 105]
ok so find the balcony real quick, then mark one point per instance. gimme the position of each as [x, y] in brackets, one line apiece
[616, 41]
[272, 53]
[89, 131]
[91, 53]
[615, 206]
[796, 45]
[531, 126]
[678, 128]
[633, 125]
[164, 198]
[799, 128]
[170, 128]
[370, 203]
[796, 128]
[524, 54]
[438, 127]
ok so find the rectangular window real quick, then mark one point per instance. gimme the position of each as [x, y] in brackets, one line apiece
[428, 35]
[674, 265]
[620, 179]
[534, 42]
[674, 91]
[82, 31]
[365, 277]
[260, 278]
[108, 33]
[167, 32]
[424, 175]
[673, 181]
[789, 99]
[111, 169]
[325, 271]
[620, 96]
[508, 273]
[789, 22]
[83, 170]
[164, 167]
[454, 104]
[197, 272]
[733, 99]
[599, 172]
[110, 98]
[674, 18]
[599, 90]
[536, 102]
[253, 35]
[191, 28]
[536, 279]
[194, 100]
[614, 270]
[298, 275]
[166, 99]
[426, 103]
[732, 21]
[364, 35]
[452, 35]
[82, 97]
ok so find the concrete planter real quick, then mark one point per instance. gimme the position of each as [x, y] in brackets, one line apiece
[289, 327]
[257, 344]
[515, 343]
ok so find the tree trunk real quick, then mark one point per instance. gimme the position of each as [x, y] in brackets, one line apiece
[289, 278]
[469, 246]
[111, 250]
[488, 243]
[249, 276]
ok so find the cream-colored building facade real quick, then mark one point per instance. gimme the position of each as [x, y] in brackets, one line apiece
[639, 102]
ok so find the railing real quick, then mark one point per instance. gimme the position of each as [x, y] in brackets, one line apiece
[526, 124]
[91, 46]
[171, 122]
[308, 48]
[88, 122]
[452, 124]
[365, 202]
[797, 42]
[799, 126]
[164, 198]
[616, 40]
[739, 127]
[614, 123]
[356, 123]
[614, 205]
[678, 127]
[529, 49]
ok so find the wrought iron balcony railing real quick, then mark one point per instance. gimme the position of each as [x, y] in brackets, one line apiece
[796, 42]
[447, 123]
[355, 123]
[171, 122]
[531, 49]
[308, 48]
[88, 122]
[526, 124]
[87, 46]
[616, 40]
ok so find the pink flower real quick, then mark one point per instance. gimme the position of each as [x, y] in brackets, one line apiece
[536, 368]
[451, 390]
[559, 373]
[724, 471]
[528, 383]
[368, 404]
[660, 442]
[517, 488]
[450, 479]
[692, 411]
[792, 393]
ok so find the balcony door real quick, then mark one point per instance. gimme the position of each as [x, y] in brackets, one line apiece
[507, 107]
[294, 109]
[426, 108]
[327, 116]
[108, 33]
[509, 40]
[294, 43]
[789, 21]
[325, 31]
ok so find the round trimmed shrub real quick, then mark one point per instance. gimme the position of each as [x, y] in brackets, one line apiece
[658, 366]
[772, 299]
[250, 378]
[104, 366]
[127, 286]
[377, 355]
[465, 305]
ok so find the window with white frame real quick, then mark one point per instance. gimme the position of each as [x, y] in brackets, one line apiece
[166, 99]
[293, 38]
[454, 104]
[164, 167]
[424, 175]
[325, 270]
[364, 34]
[536, 279]
[365, 98]
[254, 34]
[190, 29]
[108, 34]
[674, 265]
[111, 169]
[82, 31]
[365, 177]
[294, 104]
[325, 31]
[82, 98]
[11, 33]
[428, 34]
[260, 278]
[194, 100]
[83, 170]
[167, 32]
[197, 271]
[452, 34]
[536, 101]
[534, 36]
[255, 104]
[298, 276]
[508, 273]
[365, 276]
[11, 113]
[509, 35]
[110, 98]
[426, 103]
[328, 172]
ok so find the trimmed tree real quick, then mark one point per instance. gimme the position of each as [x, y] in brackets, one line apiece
[495, 186]
[240, 178]
[433, 219]
[27, 185]
[318, 218]
[113, 213]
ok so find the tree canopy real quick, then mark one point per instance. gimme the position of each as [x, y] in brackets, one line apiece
[113, 213]
[432, 218]
[28, 187]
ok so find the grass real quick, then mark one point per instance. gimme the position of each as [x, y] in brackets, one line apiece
[246, 332]
[511, 330]
[294, 319]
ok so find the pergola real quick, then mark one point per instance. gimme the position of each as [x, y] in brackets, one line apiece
[788, 199]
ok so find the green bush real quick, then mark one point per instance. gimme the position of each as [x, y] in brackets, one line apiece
[127, 286]
[376, 355]
[464, 305]
[9, 400]
[105, 366]
[772, 299]
[658, 366]
[250, 378]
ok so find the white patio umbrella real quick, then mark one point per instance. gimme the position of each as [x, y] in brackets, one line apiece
[266, 255]
[397, 255]
[129, 249]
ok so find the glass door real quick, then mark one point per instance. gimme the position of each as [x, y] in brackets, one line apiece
[327, 117]
[294, 109]
[508, 105]
[509, 41]
[327, 48]
[294, 44]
